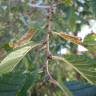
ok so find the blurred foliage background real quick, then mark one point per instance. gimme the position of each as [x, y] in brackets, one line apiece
[22, 74]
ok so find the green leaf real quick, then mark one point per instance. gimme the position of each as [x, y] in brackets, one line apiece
[68, 2]
[29, 82]
[10, 62]
[90, 39]
[17, 83]
[82, 64]
[11, 83]
[85, 65]
[69, 17]
[92, 4]
[71, 22]
[90, 42]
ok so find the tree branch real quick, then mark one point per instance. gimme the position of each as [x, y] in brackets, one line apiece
[47, 41]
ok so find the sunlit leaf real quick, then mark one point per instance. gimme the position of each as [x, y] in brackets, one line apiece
[10, 62]
[68, 2]
[90, 42]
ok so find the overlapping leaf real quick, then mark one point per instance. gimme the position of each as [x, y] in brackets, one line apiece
[85, 65]
[10, 62]
[31, 78]
[16, 83]
[90, 42]
[11, 83]
[82, 64]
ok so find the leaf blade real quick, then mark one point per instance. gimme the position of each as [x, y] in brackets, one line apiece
[10, 62]
[89, 77]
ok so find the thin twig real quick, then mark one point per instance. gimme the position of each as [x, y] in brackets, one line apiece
[47, 41]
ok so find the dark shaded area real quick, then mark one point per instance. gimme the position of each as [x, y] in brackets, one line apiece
[80, 88]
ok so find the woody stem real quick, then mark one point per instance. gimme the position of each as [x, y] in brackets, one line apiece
[47, 40]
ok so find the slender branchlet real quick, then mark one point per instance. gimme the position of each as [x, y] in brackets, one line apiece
[47, 51]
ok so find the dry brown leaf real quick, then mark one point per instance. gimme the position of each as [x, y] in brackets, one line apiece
[71, 38]
[26, 37]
